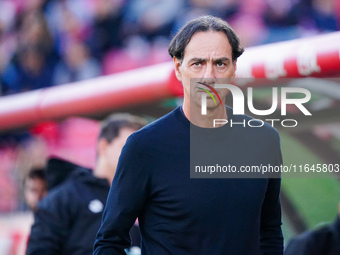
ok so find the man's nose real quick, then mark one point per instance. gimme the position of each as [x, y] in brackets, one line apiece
[208, 75]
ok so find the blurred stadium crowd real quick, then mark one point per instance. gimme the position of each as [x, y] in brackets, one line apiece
[44, 43]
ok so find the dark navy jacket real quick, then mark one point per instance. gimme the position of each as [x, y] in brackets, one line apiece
[179, 215]
[322, 241]
[68, 218]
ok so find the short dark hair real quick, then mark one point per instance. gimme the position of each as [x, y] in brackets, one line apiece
[203, 24]
[111, 126]
[37, 173]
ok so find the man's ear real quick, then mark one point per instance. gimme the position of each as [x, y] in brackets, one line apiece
[177, 64]
[102, 146]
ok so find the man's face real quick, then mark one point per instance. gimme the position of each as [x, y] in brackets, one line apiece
[114, 148]
[35, 190]
[207, 58]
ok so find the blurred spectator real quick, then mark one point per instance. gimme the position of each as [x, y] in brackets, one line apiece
[322, 241]
[282, 19]
[247, 21]
[151, 18]
[225, 9]
[281, 14]
[35, 188]
[7, 42]
[77, 64]
[106, 31]
[69, 20]
[31, 6]
[69, 217]
[32, 67]
[31, 154]
[30, 71]
[323, 14]
[33, 30]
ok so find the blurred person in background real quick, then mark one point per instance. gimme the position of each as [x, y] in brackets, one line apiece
[30, 71]
[32, 65]
[33, 30]
[68, 218]
[35, 188]
[7, 39]
[151, 18]
[106, 32]
[194, 8]
[76, 65]
[319, 15]
[281, 20]
[70, 20]
[321, 241]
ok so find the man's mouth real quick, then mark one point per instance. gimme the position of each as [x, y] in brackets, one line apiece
[202, 91]
[212, 90]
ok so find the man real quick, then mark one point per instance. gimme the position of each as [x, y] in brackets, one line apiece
[322, 241]
[68, 218]
[179, 215]
[35, 188]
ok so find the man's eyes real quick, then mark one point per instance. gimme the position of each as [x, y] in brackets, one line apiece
[220, 64]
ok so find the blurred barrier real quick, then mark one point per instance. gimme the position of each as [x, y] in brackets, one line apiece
[87, 97]
[317, 56]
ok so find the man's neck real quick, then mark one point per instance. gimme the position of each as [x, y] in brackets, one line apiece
[193, 114]
[101, 171]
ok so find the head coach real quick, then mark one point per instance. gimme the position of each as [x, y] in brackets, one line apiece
[179, 215]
